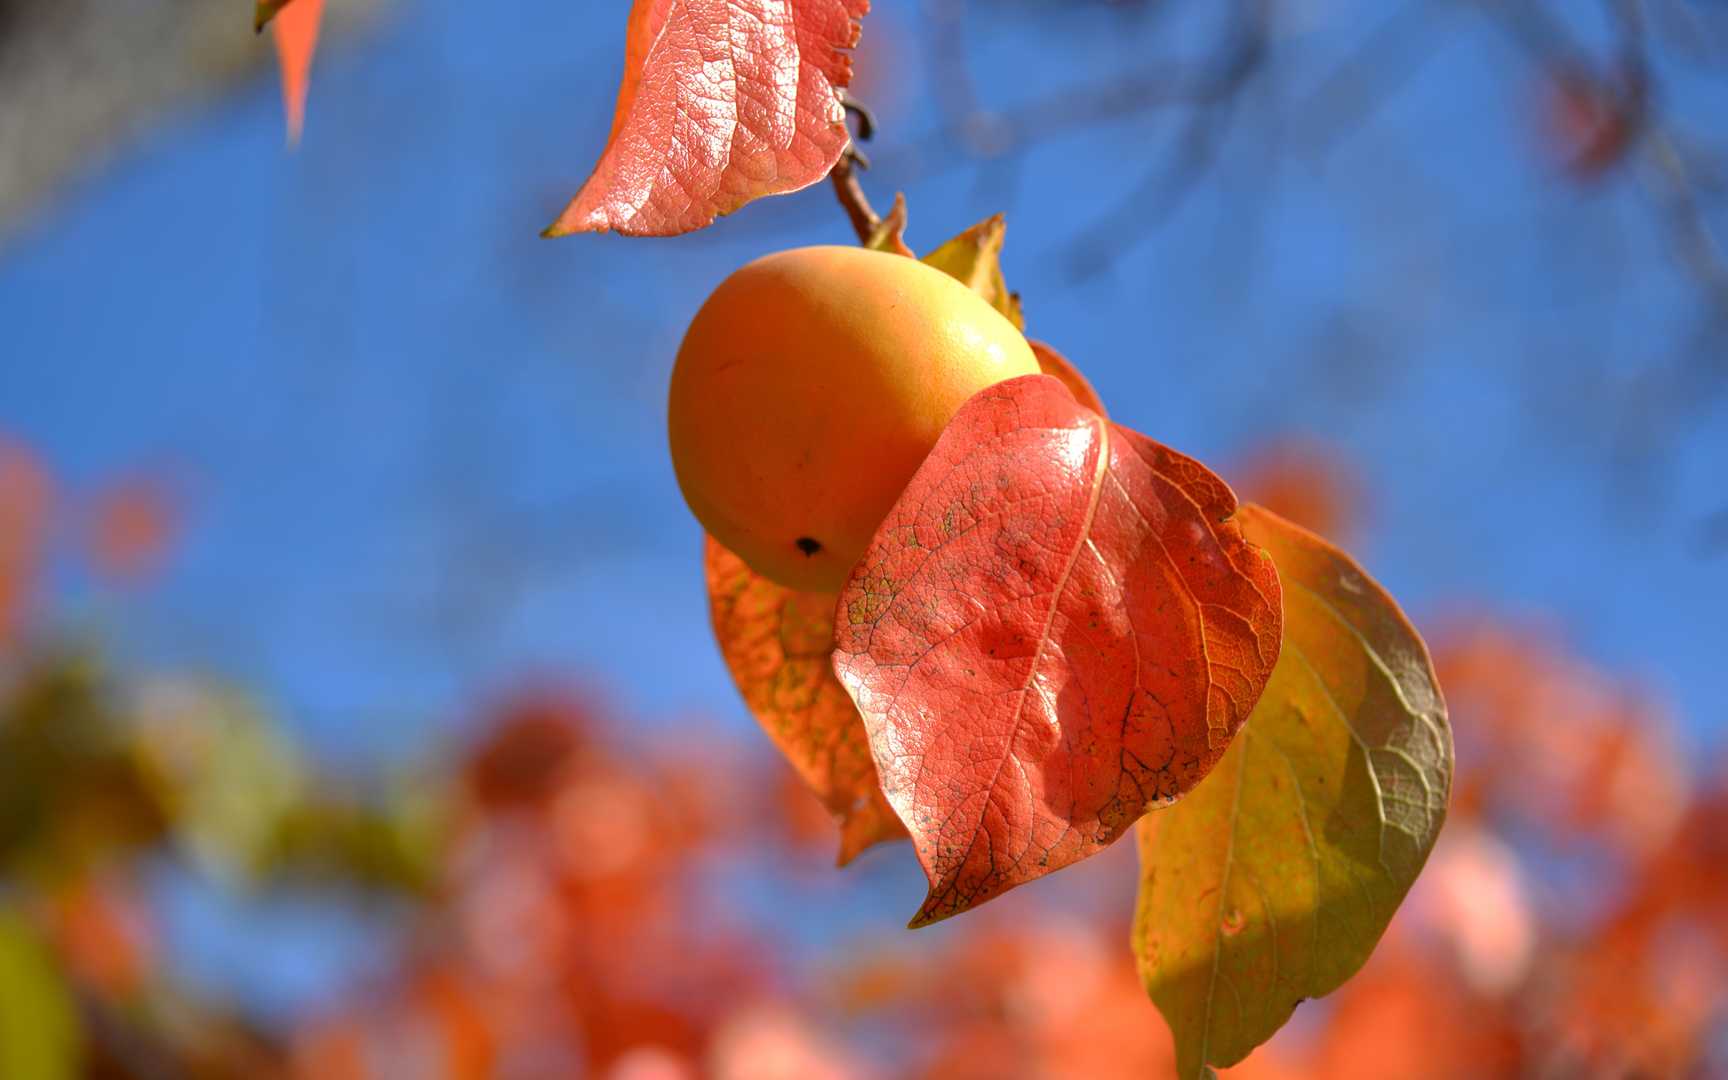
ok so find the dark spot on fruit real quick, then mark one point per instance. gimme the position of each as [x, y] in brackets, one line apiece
[808, 545]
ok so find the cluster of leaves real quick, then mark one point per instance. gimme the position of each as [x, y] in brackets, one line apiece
[572, 934]
[99, 781]
[124, 530]
[1062, 625]
[1021, 657]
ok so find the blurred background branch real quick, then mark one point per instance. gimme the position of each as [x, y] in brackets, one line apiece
[81, 78]
[1606, 106]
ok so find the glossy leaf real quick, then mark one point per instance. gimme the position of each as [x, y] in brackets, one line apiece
[1057, 628]
[1273, 880]
[776, 643]
[722, 102]
[296, 32]
[974, 258]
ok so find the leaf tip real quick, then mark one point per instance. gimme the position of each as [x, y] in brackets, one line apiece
[296, 34]
[931, 912]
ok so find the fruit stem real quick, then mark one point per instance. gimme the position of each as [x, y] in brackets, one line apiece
[850, 192]
[852, 198]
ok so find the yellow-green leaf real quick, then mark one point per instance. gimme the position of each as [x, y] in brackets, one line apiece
[38, 1021]
[974, 258]
[1273, 880]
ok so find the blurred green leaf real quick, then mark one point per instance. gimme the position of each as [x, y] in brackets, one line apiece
[227, 775]
[39, 1030]
[248, 807]
[70, 791]
[390, 840]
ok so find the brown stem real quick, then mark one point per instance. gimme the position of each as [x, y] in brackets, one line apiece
[852, 197]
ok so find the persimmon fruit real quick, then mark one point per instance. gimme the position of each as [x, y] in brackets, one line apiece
[808, 389]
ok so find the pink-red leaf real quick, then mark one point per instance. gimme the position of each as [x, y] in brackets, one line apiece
[776, 643]
[1058, 628]
[722, 102]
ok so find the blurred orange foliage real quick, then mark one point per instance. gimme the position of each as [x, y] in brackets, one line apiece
[133, 526]
[567, 932]
[105, 935]
[1572, 921]
[25, 494]
[1305, 481]
[1488, 971]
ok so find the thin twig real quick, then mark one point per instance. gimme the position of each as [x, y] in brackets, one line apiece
[865, 220]
[852, 198]
[1161, 193]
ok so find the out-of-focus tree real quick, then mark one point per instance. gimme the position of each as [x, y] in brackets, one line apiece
[557, 878]
[102, 779]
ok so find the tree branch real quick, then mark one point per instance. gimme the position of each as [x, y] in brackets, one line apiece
[852, 198]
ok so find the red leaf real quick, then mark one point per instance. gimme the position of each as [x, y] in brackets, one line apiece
[776, 643]
[722, 102]
[1058, 628]
[296, 31]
